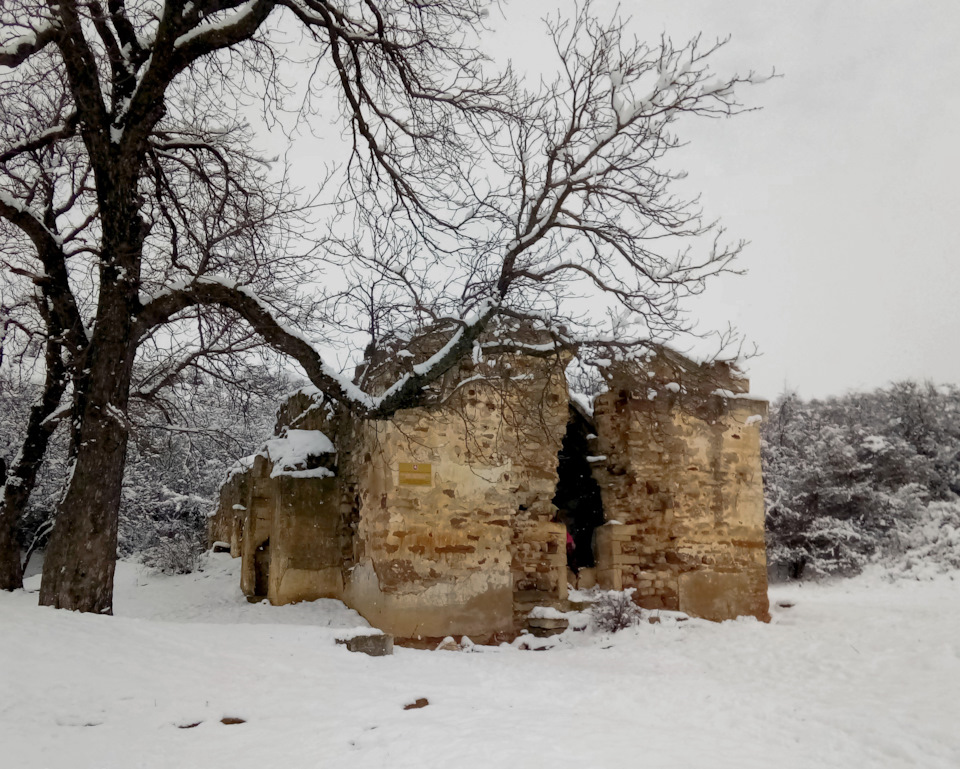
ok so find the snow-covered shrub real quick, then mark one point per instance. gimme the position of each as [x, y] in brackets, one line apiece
[848, 479]
[931, 546]
[614, 610]
[176, 551]
[174, 469]
[164, 529]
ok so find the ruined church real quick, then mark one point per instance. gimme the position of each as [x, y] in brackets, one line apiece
[465, 517]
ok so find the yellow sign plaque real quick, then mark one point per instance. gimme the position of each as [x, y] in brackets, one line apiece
[416, 474]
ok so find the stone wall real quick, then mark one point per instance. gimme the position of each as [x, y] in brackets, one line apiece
[682, 494]
[305, 540]
[226, 524]
[442, 521]
[455, 531]
[257, 524]
[287, 529]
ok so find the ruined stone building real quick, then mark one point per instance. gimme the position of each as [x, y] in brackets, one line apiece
[453, 520]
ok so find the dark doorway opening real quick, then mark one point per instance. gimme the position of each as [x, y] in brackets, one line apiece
[578, 501]
[261, 570]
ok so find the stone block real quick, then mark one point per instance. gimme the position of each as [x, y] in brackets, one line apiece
[722, 595]
[380, 645]
[609, 579]
[548, 623]
[544, 627]
[586, 578]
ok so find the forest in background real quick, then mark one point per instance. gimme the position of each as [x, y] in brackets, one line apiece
[861, 478]
[850, 480]
[182, 443]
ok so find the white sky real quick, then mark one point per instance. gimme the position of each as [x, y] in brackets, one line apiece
[845, 183]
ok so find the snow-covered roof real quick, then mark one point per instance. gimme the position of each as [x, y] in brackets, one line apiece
[291, 453]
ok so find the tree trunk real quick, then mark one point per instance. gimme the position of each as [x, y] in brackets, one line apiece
[81, 557]
[11, 576]
[22, 475]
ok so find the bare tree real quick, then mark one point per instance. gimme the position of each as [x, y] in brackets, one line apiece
[135, 201]
[173, 369]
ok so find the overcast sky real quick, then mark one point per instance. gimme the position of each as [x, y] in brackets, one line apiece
[845, 183]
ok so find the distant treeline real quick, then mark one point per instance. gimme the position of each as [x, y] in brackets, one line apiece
[863, 477]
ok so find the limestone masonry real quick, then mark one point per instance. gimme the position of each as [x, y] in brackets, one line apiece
[454, 520]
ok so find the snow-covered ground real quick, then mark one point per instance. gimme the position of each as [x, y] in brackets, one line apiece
[858, 673]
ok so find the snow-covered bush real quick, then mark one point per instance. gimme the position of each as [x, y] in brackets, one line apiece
[176, 551]
[931, 546]
[848, 479]
[614, 610]
[18, 391]
[173, 475]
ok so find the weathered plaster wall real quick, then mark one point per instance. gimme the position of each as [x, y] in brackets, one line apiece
[683, 497]
[305, 561]
[287, 529]
[291, 526]
[226, 524]
[258, 522]
[454, 532]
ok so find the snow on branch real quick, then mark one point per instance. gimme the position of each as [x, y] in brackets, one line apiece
[408, 390]
[44, 138]
[238, 17]
[21, 216]
[16, 51]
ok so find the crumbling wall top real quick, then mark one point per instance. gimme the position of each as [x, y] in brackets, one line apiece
[661, 368]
